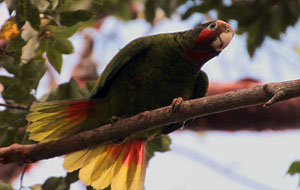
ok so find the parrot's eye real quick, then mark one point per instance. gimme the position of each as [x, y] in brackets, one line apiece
[212, 26]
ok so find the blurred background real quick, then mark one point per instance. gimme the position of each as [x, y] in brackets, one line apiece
[250, 148]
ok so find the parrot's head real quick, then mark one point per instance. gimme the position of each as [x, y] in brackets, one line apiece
[208, 40]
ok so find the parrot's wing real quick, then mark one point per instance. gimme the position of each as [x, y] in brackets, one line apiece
[200, 90]
[124, 56]
[201, 85]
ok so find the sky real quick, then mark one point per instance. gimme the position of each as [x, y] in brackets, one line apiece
[210, 160]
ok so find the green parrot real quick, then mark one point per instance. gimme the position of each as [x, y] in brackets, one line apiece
[147, 73]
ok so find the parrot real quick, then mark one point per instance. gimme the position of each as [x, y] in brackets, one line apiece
[148, 73]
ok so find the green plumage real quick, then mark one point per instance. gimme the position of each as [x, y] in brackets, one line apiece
[149, 73]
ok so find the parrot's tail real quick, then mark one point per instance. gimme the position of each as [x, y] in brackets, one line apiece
[121, 166]
[58, 119]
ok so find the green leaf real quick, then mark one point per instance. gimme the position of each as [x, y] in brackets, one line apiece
[150, 10]
[19, 135]
[294, 168]
[69, 18]
[66, 31]
[69, 90]
[25, 11]
[170, 6]
[5, 186]
[72, 177]
[10, 65]
[159, 144]
[55, 183]
[12, 119]
[43, 46]
[34, 16]
[55, 58]
[16, 93]
[6, 81]
[16, 44]
[99, 2]
[90, 85]
[62, 44]
[32, 72]
[60, 183]
[11, 61]
[7, 137]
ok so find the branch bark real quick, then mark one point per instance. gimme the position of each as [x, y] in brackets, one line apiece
[283, 115]
[257, 95]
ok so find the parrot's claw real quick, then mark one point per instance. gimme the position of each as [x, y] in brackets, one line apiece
[276, 95]
[176, 104]
[112, 121]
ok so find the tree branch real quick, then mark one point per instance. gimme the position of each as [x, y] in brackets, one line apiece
[147, 120]
[283, 115]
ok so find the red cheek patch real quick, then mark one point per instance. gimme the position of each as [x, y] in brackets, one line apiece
[205, 36]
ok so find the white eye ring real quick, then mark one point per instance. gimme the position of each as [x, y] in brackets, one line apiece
[213, 26]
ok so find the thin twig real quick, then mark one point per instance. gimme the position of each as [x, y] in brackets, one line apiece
[12, 54]
[22, 176]
[26, 164]
[15, 106]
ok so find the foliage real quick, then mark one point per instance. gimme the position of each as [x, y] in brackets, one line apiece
[257, 18]
[294, 168]
[161, 144]
[39, 30]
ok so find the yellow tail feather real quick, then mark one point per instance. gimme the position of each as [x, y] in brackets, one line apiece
[121, 166]
[55, 120]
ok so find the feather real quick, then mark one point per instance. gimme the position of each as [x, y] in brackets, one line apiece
[121, 166]
[55, 120]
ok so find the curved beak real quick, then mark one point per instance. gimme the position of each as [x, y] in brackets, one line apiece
[224, 37]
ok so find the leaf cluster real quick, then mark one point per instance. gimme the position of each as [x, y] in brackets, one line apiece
[43, 29]
[52, 183]
[258, 18]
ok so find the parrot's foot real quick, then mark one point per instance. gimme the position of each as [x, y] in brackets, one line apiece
[112, 121]
[176, 102]
[275, 94]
